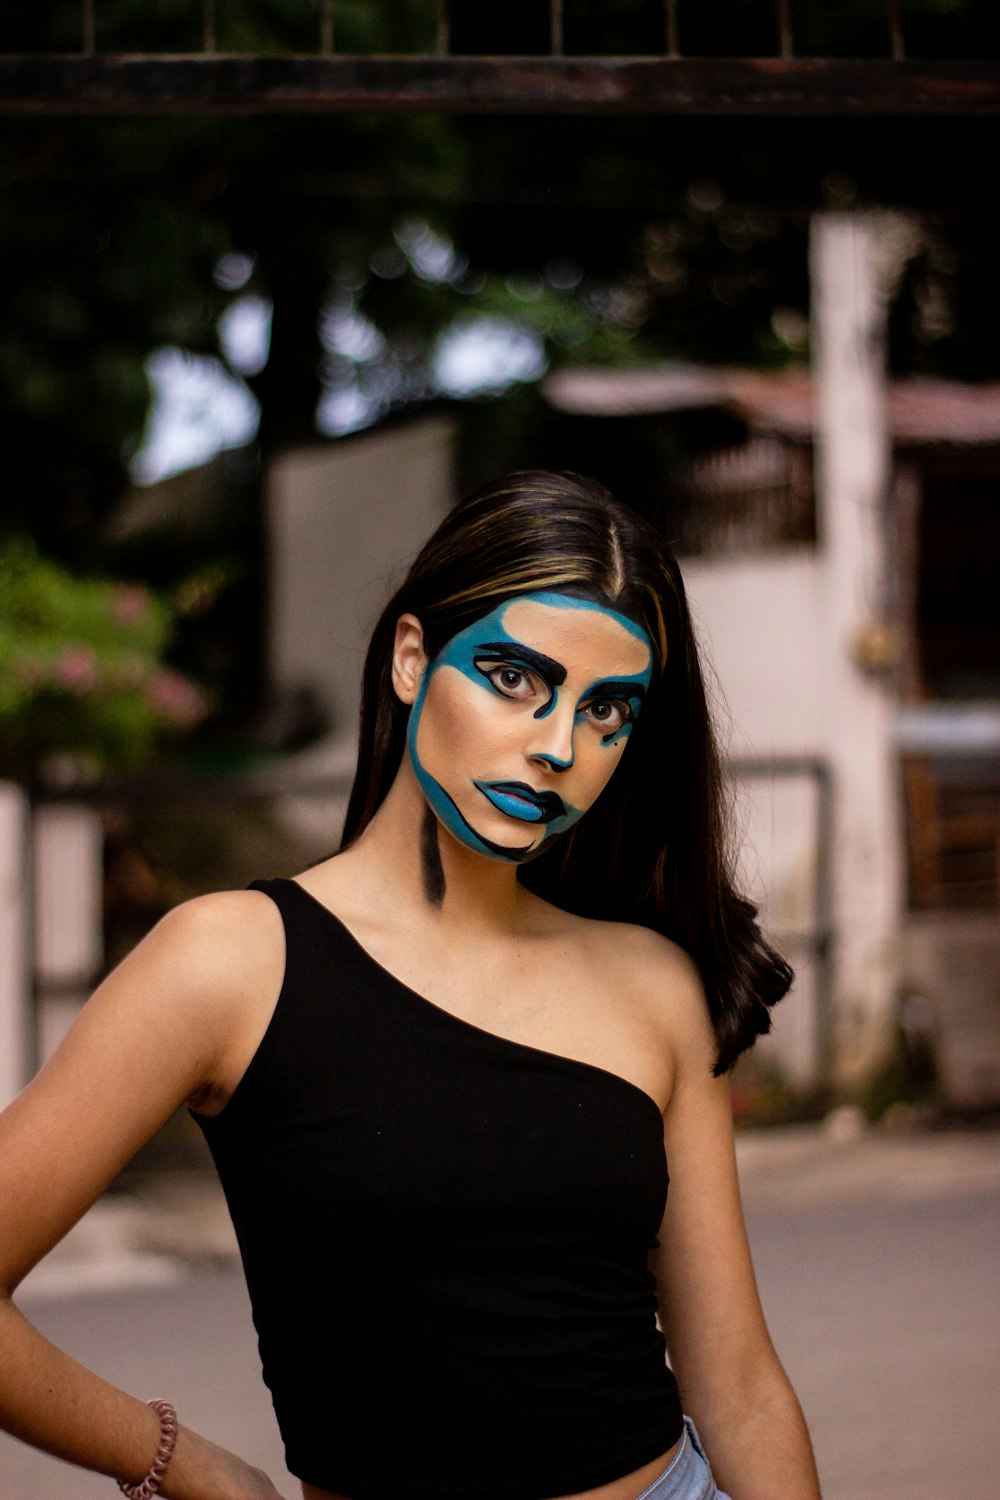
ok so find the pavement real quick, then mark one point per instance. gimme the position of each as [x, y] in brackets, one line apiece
[842, 1160]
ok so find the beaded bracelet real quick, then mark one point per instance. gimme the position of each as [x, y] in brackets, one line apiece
[148, 1487]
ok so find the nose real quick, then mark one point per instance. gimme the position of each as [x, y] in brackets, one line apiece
[552, 741]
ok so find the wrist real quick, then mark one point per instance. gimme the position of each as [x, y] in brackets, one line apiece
[150, 1484]
[203, 1470]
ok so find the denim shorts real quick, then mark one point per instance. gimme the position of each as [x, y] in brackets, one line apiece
[687, 1475]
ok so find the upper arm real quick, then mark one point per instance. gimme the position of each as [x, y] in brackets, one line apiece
[155, 1033]
[709, 1306]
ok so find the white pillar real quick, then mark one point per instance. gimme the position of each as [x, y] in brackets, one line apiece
[853, 461]
[15, 991]
[69, 914]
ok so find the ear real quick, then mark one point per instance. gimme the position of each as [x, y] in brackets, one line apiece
[409, 660]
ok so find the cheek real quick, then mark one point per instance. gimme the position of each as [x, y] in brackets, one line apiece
[456, 725]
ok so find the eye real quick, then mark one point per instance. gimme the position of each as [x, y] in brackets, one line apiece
[509, 681]
[609, 714]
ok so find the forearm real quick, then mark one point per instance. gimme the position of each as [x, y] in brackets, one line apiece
[50, 1400]
[757, 1442]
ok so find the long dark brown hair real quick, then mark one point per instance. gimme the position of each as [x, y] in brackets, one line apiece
[655, 847]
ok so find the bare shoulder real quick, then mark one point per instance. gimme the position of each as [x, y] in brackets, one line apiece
[223, 934]
[649, 960]
[653, 958]
[660, 978]
[202, 972]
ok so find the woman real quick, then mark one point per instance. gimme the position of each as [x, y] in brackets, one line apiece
[442, 1072]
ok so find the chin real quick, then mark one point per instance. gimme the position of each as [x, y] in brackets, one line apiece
[510, 844]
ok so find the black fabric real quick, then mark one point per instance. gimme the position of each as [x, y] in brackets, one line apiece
[445, 1237]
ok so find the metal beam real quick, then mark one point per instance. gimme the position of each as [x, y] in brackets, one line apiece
[229, 84]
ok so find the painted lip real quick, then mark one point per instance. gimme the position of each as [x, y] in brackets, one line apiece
[518, 800]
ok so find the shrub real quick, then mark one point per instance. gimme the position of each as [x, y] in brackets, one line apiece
[83, 683]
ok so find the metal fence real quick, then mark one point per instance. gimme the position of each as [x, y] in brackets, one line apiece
[203, 25]
[554, 56]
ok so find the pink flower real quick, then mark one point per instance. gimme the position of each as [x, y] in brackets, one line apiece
[76, 669]
[130, 603]
[176, 698]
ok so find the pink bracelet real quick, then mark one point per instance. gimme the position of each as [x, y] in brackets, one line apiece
[148, 1487]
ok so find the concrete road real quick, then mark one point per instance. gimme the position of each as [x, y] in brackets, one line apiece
[887, 1318]
[877, 1260]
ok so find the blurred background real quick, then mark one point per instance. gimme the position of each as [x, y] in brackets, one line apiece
[280, 283]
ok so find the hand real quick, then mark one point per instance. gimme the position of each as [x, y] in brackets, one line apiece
[258, 1486]
[201, 1470]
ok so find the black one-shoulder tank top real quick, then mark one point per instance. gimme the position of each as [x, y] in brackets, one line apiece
[445, 1237]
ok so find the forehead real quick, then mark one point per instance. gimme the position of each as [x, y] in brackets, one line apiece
[583, 637]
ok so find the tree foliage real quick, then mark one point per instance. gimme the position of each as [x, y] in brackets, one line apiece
[82, 683]
[612, 239]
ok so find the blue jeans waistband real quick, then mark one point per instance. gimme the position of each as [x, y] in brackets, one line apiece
[687, 1476]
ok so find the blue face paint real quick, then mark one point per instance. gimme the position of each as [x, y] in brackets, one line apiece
[495, 660]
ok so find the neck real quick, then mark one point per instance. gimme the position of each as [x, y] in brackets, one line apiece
[395, 857]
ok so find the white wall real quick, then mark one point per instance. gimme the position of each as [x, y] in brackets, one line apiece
[760, 623]
[344, 519]
[68, 854]
[15, 988]
[53, 865]
[760, 619]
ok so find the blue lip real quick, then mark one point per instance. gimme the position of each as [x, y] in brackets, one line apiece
[518, 800]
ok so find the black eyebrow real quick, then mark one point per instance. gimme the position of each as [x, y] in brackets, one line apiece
[504, 650]
[611, 688]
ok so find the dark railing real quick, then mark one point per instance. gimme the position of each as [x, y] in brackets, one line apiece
[204, 29]
[817, 942]
[469, 60]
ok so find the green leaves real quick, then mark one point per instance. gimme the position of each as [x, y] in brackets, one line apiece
[82, 679]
